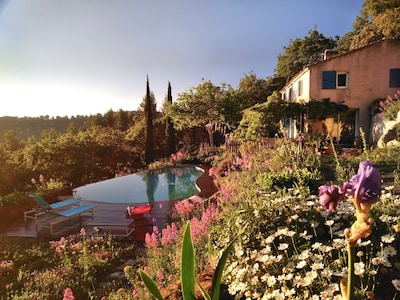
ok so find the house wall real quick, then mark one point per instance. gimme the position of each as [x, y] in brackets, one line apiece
[368, 69]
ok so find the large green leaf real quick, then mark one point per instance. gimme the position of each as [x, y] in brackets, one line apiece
[150, 285]
[203, 291]
[187, 265]
[216, 284]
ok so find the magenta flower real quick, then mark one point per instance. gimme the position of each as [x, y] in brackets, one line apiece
[68, 294]
[366, 185]
[330, 196]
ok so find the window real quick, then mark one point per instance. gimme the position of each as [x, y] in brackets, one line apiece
[333, 80]
[342, 80]
[329, 79]
[299, 90]
[394, 80]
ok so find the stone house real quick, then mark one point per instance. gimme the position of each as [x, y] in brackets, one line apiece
[355, 78]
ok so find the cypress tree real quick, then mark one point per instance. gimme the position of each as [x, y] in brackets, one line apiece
[148, 131]
[169, 127]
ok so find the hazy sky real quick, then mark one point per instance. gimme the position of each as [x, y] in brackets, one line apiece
[81, 57]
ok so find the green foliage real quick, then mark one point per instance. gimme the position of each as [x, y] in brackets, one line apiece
[187, 265]
[207, 106]
[253, 90]
[301, 52]
[288, 179]
[261, 120]
[386, 155]
[13, 198]
[208, 155]
[149, 126]
[150, 285]
[378, 19]
[45, 269]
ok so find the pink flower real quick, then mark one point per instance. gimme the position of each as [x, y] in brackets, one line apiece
[135, 293]
[68, 294]
[59, 250]
[33, 180]
[330, 196]
[169, 234]
[211, 172]
[151, 240]
[198, 229]
[41, 178]
[76, 245]
[160, 275]
[83, 231]
[155, 229]
[210, 214]
[171, 277]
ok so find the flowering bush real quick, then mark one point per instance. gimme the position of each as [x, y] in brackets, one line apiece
[68, 267]
[295, 250]
[46, 185]
[390, 107]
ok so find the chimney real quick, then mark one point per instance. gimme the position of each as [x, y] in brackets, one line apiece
[328, 53]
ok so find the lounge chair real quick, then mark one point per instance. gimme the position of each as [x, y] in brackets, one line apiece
[43, 206]
[49, 215]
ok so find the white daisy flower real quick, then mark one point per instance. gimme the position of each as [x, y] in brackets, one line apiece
[387, 238]
[396, 284]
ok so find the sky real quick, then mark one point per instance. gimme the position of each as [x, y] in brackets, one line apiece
[83, 57]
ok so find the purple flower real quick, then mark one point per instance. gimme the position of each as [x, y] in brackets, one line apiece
[366, 185]
[330, 196]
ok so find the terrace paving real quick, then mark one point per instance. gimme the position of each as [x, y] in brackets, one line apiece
[106, 214]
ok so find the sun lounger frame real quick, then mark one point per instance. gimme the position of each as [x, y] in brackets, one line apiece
[118, 227]
[40, 210]
[54, 217]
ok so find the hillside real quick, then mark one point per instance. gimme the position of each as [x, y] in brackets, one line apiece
[33, 127]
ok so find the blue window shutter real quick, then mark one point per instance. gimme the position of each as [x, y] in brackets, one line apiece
[329, 79]
[394, 80]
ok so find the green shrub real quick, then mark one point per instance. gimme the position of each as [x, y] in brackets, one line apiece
[13, 198]
[288, 179]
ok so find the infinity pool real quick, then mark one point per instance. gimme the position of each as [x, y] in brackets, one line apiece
[159, 185]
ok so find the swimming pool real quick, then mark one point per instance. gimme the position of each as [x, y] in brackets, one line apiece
[151, 186]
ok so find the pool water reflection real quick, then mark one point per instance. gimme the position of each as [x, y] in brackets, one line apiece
[159, 185]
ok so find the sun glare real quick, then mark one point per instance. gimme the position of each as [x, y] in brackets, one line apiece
[42, 100]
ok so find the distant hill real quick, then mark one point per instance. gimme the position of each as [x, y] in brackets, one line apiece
[33, 127]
